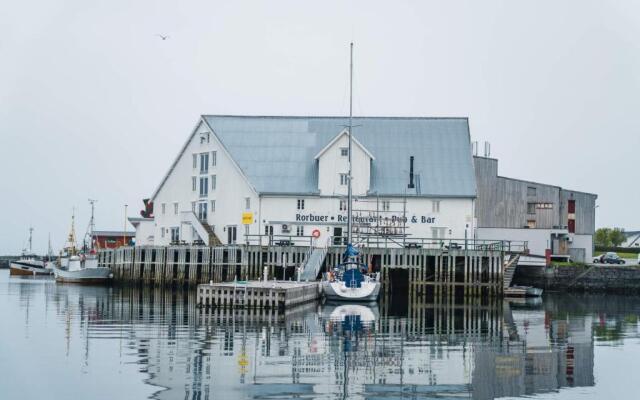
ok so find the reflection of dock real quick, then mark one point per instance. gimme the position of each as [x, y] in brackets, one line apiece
[440, 347]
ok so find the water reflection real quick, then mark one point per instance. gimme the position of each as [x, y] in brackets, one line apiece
[157, 343]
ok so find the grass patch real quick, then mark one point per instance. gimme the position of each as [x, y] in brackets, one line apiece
[567, 264]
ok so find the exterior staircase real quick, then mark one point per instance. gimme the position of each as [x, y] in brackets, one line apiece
[213, 238]
[315, 258]
[204, 230]
[509, 270]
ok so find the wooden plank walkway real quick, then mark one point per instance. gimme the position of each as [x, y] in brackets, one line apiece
[257, 294]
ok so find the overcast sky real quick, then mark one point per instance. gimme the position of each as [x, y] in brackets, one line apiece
[94, 105]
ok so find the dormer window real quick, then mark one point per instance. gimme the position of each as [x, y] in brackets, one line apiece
[344, 151]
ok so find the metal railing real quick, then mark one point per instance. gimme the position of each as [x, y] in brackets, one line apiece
[508, 246]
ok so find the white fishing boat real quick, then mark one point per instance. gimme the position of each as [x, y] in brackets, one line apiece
[351, 280]
[81, 266]
[29, 264]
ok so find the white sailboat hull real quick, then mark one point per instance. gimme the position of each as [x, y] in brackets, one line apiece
[338, 290]
[85, 275]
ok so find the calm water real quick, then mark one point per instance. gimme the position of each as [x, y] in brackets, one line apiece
[65, 342]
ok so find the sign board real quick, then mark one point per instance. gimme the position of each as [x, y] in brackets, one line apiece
[247, 218]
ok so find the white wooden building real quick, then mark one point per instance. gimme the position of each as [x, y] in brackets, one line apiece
[412, 178]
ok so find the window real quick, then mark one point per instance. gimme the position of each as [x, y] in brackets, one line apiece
[300, 204]
[344, 179]
[247, 203]
[193, 183]
[202, 211]
[344, 151]
[386, 205]
[232, 232]
[214, 158]
[268, 230]
[204, 186]
[435, 206]
[531, 208]
[531, 191]
[193, 206]
[195, 161]
[175, 234]
[163, 208]
[204, 137]
[175, 208]
[204, 163]
[438, 233]
[531, 223]
[214, 182]
[343, 205]
[213, 206]
[300, 230]
[162, 232]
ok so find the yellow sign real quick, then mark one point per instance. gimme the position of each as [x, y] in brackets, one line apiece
[247, 218]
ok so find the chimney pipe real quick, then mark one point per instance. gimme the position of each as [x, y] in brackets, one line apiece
[411, 185]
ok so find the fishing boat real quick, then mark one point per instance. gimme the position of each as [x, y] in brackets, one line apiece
[29, 264]
[350, 280]
[81, 266]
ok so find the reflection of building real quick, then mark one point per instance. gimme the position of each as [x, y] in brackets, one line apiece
[546, 355]
[474, 349]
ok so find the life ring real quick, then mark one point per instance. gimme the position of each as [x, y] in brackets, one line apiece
[316, 233]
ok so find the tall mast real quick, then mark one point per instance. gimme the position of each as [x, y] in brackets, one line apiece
[72, 233]
[349, 195]
[91, 222]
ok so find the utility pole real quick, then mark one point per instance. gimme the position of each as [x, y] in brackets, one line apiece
[124, 230]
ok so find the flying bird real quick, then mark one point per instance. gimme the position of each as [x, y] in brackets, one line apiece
[162, 36]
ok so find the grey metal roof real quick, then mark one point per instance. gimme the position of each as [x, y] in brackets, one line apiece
[277, 153]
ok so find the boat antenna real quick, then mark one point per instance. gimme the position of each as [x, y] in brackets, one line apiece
[349, 192]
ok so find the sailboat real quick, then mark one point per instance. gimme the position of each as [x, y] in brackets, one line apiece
[81, 266]
[28, 263]
[350, 281]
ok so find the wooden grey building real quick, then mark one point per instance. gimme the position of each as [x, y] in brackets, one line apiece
[547, 216]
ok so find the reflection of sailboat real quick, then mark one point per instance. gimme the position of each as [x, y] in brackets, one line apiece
[28, 264]
[81, 267]
[364, 314]
[348, 282]
[349, 318]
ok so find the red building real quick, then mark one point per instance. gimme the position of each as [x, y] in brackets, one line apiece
[113, 239]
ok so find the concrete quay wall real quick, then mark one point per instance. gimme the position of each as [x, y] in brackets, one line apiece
[581, 278]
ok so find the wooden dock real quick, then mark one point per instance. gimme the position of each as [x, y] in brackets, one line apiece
[474, 270]
[257, 294]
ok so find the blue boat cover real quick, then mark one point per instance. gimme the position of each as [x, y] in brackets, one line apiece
[353, 278]
[351, 251]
